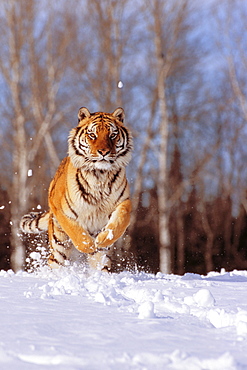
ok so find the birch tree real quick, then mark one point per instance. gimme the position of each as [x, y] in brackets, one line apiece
[107, 38]
[168, 24]
[230, 24]
[33, 60]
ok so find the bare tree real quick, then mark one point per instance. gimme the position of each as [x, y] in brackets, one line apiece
[33, 61]
[167, 25]
[229, 18]
[107, 39]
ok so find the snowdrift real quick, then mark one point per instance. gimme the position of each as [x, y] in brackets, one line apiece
[75, 319]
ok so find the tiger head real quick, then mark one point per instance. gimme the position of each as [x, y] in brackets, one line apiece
[100, 141]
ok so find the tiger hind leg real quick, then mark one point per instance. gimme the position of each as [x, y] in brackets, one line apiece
[60, 246]
[100, 260]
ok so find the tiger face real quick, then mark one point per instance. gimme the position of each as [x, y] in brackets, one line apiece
[100, 141]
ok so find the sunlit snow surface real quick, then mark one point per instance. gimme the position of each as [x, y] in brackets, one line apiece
[75, 319]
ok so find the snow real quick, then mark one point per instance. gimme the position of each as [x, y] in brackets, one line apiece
[110, 235]
[120, 84]
[73, 318]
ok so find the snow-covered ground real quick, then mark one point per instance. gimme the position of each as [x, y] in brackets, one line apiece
[75, 319]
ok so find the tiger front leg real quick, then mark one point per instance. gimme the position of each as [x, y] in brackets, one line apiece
[80, 238]
[118, 223]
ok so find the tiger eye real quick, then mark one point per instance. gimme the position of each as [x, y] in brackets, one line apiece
[113, 136]
[92, 136]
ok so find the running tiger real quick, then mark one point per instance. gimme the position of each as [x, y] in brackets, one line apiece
[89, 201]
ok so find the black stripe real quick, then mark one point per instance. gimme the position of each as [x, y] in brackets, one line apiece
[112, 181]
[73, 141]
[115, 176]
[79, 138]
[56, 240]
[105, 249]
[123, 153]
[37, 221]
[30, 225]
[77, 152]
[61, 254]
[122, 193]
[124, 181]
[125, 131]
[54, 237]
[121, 143]
[89, 198]
[53, 259]
[96, 173]
[69, 202]
[109, 257]
[126, 146]
[92, 253]
[82, 179]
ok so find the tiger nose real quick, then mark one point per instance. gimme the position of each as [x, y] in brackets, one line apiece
[103, 152]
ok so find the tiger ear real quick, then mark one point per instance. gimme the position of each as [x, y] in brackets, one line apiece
[83, 113]
[119, 114]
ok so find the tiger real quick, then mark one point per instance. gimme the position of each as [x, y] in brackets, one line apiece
[89, 198]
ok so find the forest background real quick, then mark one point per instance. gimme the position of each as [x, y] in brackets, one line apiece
[178, 68]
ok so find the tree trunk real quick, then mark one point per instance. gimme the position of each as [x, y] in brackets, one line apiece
[20, 149]
[208, 254]
[19, 192]
[164, 236]
[180, 247]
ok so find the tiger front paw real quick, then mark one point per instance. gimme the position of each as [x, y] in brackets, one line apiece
[86, 244]
[105, 238]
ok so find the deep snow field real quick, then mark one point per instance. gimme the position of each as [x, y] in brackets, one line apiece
[73, 318]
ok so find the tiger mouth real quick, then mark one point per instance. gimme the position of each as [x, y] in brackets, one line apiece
[104, 159]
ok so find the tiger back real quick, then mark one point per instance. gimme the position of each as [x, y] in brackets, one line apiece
[89, 200]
